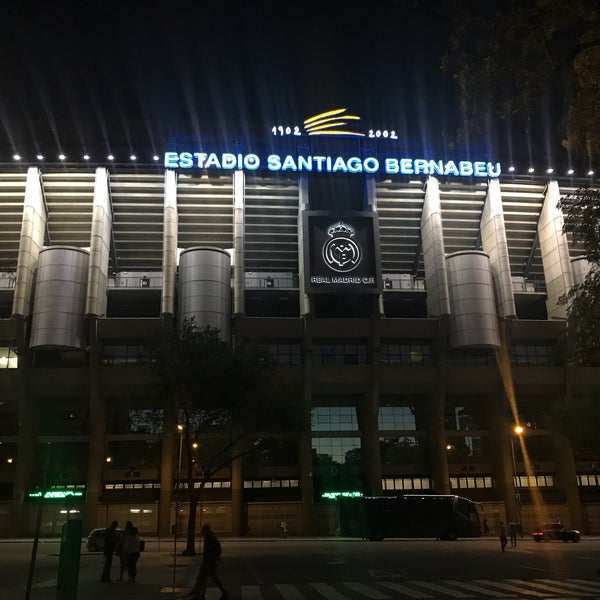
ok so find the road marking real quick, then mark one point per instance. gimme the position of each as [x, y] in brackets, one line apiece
[570, 586]
[439, 588]
[365, 590]
[511, 588]
[384, 574]
[288, 591]
[398, 587]
[326, 590]
[478, 589]
[541, 586]
[251, 592]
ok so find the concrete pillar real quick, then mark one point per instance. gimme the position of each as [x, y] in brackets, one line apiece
[26, 443]
[238, 527]
[33, 227]
[305, 440]
[434, 256]
[555, 253]
[96, 299]
[238, 242]
[500, 428]
[494, 244]
[303, 205]
[167, 471]
[169, 252]
[97, 449]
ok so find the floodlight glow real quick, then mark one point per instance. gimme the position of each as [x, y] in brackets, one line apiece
[133, 157]
[86, 157]
[530, 170]
[590, 173]
[110, 157]
[518, 429]
[570, 171]
[61, 157]
[40, 157]
[511, 169]
[155, 157]
[16, 156]
[550, 170]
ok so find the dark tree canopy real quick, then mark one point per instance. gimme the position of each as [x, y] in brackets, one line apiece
[519, 61]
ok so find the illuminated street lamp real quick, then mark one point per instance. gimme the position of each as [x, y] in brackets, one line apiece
[517, 430]
[107, 460]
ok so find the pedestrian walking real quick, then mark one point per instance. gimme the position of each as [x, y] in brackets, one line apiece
[121, 553]
[132, 548]
[283, 529]
[512, 532]
[111, 539]
[486, 527]
[503, 540]
[211, 552]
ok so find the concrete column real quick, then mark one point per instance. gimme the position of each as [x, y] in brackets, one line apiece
[238, 527]
[434, 256]
[500, 428]
[170, 237]
[555, 253]
[494, 244]
[26, 443]
[238, 242]
[303, 205]
[33, 227]
[96, 299]
[167, 471]
[97, 449]
[305, 440]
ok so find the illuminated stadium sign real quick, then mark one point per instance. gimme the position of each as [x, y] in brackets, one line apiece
[56, 494]
[330, 164]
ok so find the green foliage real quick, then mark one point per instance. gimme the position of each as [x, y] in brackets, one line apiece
[517, 58]
[578, 419]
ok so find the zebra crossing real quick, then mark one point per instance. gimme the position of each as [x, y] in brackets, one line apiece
[480, 589]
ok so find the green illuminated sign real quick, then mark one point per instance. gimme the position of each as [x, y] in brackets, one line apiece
[56, 494]
[334, 495]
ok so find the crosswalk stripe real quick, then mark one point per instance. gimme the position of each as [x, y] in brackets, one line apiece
[478, 589]
[326, 590]
[398, 587]
[251, 592]
[542, 586]
[586, 582]
[365, 590]
[569, 585]
[288, 591]
[511, 588]
[440, 588]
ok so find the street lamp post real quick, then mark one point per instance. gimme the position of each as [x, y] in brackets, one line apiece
[518, 430]
[107, 460]
[180, 431]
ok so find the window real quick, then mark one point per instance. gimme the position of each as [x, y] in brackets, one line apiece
[533, 481]
[591, 480]
[396, 418]
[8, 358]
[471, 482]
[340, 354]
[125, 355]
[410, 353]
[339, 449]
[472, 357]
[406, 484]
[333, 418]
[285, 354]
[537, 355]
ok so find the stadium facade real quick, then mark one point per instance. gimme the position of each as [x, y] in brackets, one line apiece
[415, 304]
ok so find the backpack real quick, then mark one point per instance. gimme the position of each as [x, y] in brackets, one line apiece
[142, 545]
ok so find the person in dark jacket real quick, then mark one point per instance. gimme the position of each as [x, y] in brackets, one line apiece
[111, 539]
[211, 551]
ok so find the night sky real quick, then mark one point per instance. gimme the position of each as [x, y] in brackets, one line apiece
[105, 77]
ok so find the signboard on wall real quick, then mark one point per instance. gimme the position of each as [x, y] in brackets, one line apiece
[341, 252]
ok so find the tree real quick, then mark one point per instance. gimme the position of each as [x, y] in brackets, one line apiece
[228, 401]
[520, 60]
[578, 419]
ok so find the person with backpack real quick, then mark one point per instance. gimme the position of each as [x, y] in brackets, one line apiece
[211, 552]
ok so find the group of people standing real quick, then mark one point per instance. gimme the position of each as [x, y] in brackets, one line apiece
[127, 545]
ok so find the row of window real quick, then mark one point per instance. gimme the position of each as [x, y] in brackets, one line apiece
[8, 358]
[343, 418]
[344, 354]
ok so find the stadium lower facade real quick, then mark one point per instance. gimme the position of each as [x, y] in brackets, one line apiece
[418, 315]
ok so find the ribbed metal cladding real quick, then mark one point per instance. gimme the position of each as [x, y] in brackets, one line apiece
[59, 299]
[205, 288]
[474, 323]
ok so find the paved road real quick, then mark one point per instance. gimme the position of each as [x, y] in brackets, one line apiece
[331, 569]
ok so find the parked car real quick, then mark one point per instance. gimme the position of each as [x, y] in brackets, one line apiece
[556, 531]
[95, 541]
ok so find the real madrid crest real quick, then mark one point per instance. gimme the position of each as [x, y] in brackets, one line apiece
[341, 253]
